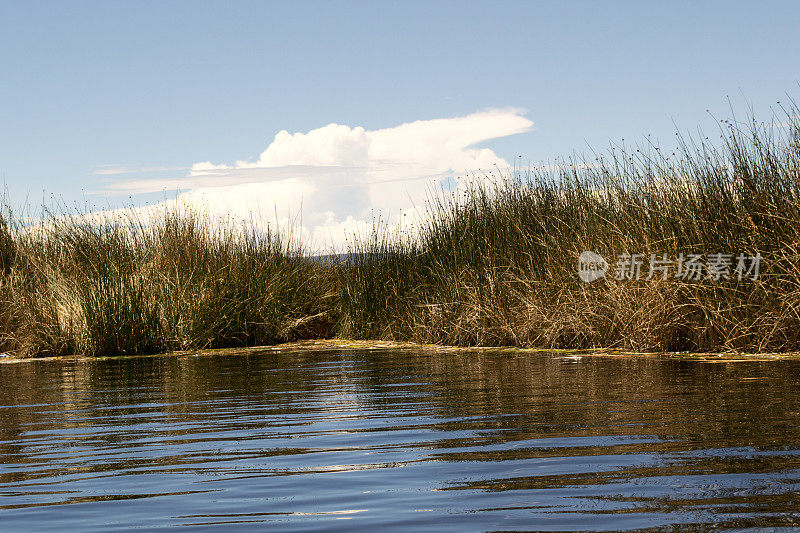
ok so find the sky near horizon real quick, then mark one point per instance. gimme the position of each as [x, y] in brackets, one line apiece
[329, 112]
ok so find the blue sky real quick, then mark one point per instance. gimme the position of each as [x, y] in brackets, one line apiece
[145, 85]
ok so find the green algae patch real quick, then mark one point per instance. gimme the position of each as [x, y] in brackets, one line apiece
[309, 346]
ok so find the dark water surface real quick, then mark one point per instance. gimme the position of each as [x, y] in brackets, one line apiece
[400, 440]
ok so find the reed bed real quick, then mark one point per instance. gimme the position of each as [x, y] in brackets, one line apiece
[496, 264]
[180, 281]
[493, 263]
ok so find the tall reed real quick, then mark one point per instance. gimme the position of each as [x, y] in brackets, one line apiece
[493, 263]
[497, 264]
[177, 281]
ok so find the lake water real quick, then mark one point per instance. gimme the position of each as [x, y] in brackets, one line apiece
[399, 440]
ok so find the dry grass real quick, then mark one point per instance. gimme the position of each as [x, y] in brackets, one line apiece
[497, 265]
[179, 282]
[494, 265]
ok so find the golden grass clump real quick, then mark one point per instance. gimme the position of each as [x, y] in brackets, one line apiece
[497, 263]
[493, 263]
[180, 281]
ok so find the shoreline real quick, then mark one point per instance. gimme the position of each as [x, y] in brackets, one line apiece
[309, 346]
[692, 252]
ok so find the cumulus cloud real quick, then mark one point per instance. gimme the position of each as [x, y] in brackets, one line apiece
[330, 182]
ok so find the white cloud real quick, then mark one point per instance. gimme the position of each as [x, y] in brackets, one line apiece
[330, 182]
[110, 170]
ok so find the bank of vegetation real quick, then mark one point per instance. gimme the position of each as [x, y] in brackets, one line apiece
[494, 263]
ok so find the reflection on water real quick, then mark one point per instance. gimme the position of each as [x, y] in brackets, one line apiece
[399, 439]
